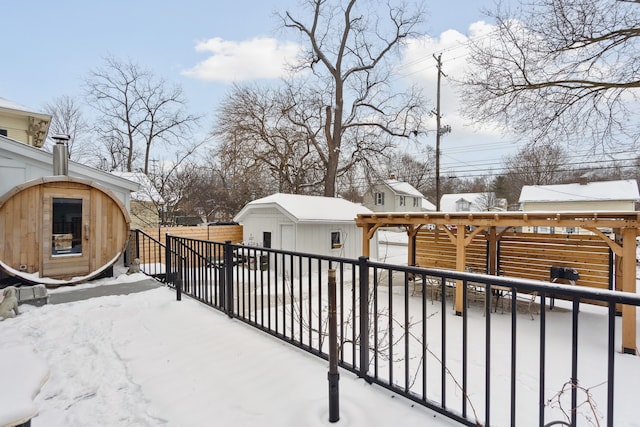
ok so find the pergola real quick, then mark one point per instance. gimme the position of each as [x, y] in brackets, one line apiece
[462, 227]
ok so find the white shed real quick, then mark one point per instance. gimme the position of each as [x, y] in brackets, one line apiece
[310, 224]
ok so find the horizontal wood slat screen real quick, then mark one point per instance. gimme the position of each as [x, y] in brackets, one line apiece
[525, 255]
[216, 233]
[531, 256]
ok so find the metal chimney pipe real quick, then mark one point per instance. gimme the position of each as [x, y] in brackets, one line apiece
[60, 154]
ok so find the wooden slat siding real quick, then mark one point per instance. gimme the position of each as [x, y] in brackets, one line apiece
[216, 233]
[434, 249]
[531, 256]
[18, 229]
[524, 255]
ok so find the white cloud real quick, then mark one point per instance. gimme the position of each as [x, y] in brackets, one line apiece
[233, 61]
[419, 66]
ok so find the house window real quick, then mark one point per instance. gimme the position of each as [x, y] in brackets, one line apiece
[66, 227]
[552, 230]
[463, 205]
[416, 202]
[402, 201]
[3, 132]
[336, 242]
[379, 199]
[571, 230]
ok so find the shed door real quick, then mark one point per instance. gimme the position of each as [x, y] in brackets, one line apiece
[65, 233]
[287, 239]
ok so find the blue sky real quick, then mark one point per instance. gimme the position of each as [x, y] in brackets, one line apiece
[49, 47]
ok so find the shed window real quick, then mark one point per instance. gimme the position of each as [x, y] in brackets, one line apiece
[66, 226]
[336, 241]
[266, 239]
[379, 199]
[416, 202]
[402, 201]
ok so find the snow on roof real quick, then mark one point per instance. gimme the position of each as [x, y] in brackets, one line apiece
[427, 205]
[302, 208]
[406, 189]
[146, 191]
[448, 201]
[403, 188]
[10, 105]
[592, 191]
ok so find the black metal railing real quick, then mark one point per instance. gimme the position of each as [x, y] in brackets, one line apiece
[489, 364]
[150, 252]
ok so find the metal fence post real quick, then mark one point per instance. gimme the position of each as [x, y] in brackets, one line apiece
[364, 317]
[334, 375]
[228, 277]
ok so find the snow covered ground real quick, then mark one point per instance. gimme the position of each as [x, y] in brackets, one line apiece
[147, 360]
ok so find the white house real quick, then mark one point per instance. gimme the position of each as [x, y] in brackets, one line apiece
[392, 195]
[608, 196]
[470, 202]
[309, 224]
[602, 196]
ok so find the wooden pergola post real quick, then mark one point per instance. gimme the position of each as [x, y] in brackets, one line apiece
[629, 285]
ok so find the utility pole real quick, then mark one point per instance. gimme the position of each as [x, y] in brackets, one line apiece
[439, 129]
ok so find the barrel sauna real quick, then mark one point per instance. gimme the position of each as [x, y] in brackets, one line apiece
[61, 230]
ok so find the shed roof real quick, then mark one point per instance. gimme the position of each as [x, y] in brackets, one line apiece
[302, 208]
[623, 190]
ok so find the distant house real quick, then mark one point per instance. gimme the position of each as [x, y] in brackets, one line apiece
[146, 202]
[602, 196]
[471, 202]
[22, 124]
[392, 195]
[310, 224]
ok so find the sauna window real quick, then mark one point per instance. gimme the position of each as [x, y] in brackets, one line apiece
[67, 226]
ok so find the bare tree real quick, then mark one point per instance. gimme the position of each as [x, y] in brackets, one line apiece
[559, 70]
[238, 179]
[346, 106]
[67, 118]
[541, 164]
[137, 112]
[252, 122]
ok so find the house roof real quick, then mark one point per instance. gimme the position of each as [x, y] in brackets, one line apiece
[302, 208]
[448, 201]
[10, 105]
[623, 190]
[14, 149]
[146, 190]
[405, 189]
[427, 205]
[402, 188]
